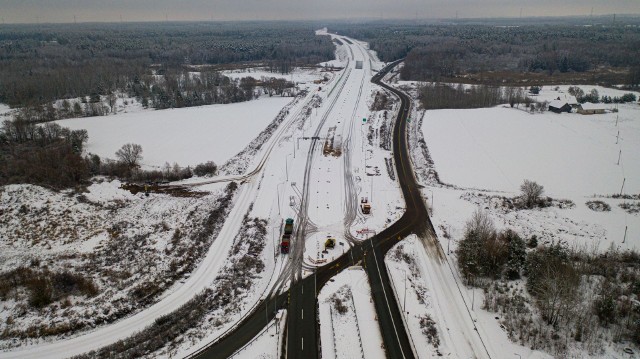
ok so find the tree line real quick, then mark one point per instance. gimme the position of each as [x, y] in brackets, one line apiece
[50, 155]
[44, 63]
[438, 96]
[434, 52]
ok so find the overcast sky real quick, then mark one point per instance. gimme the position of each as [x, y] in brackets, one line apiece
[31, 11]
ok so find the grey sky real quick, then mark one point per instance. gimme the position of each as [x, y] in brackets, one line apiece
[21, 11]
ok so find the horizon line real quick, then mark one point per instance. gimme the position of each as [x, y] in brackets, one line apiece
[366, 19]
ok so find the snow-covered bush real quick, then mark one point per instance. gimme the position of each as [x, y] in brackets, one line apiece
[485, 253]
[598, 206]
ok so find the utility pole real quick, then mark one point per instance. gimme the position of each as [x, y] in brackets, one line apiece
[404, 299]
[286, 166]
[473, 300]
[371, 196]
[618, 137]
[621, 188]
[273, 238]
[431, 200]
[619, 155]
[625, 233]
[278, 193]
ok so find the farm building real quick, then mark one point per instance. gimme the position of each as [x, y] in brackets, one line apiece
[589, 108]
[571, 100]
[559, 106]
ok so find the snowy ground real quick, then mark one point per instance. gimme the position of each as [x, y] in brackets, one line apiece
[4, 110]
[186, 136]
[301, 77]
[570, 154]
[481, 156]
[251, 201]
[550, 93]
[132, 247]
[573, 156]
[267, 344]
[348, 324]
[444, 321]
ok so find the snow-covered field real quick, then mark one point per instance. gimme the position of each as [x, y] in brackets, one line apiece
[487, 153]
[569, 154]
[301, 77]
[186, 136]
[348, 324]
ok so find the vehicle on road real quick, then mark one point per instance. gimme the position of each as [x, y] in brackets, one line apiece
[330, 243]
[286, 237]
[365, 205]
[284, 243]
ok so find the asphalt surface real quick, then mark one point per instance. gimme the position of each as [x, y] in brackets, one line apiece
[301, 299]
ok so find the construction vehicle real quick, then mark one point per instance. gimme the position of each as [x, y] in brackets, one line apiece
[286, 237]
[365, 205]
[288, 226]
[330, 243]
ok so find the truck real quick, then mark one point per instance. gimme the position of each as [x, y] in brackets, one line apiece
[284, 243]
[288, 226]
[365, 205]
[286, 237]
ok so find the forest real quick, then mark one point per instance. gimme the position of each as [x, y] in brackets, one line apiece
[504, 53]
[46, 62]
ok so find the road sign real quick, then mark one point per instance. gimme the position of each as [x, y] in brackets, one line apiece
[364, 120]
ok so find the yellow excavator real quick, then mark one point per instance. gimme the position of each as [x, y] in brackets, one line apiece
[330, 243]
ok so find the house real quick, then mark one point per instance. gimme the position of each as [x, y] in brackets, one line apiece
[589, 108]
[559, 106]
[571, 100]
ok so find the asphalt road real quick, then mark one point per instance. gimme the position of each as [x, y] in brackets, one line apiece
[302, 323]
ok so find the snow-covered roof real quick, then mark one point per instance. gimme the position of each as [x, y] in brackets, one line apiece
[557, 103]
[571, 100]
[592, 106]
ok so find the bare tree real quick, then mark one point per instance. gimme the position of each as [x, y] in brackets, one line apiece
[130, 154]
[531, 192]
[554, 282]
[481, 224]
